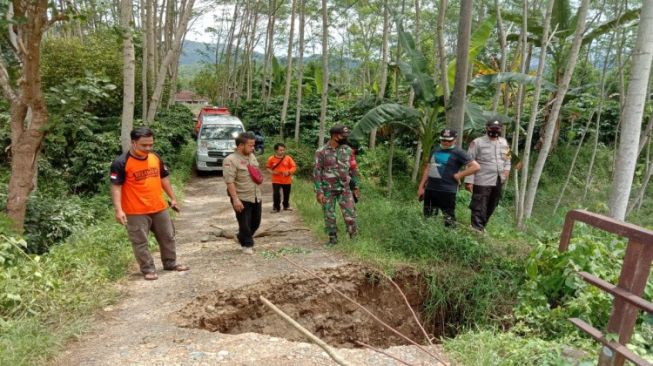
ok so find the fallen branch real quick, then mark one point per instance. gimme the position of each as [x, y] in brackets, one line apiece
[328, 349]
[277, 232]
[383, 353]
[420, 347]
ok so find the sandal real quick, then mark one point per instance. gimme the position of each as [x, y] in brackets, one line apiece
[178, 268]
[151, 276]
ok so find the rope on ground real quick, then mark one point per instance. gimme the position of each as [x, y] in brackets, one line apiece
[328, 349]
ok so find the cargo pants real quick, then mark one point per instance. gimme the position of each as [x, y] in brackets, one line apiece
[345, 199]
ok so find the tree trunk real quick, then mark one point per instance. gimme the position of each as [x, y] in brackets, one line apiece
[555, 110]
[300, 68]
[526, 156]
[269, 54]
[161, 75]
[144, 61]
[26, 138]
[573, 163]
[325, 71]
[631, 118]
[150, 41]
[456, 115]
[129, 74]
[639, 198]
[230, 40]
[441, 54]
[597, 131]
[411, 98]
[286, 92]
[174, 74]
[252, 43]
[503, 46]
[383, 74]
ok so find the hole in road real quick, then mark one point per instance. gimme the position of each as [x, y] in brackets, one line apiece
[316, 307]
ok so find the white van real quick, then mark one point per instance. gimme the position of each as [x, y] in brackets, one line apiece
[216, 140]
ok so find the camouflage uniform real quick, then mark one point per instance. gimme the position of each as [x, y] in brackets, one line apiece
[334, 170]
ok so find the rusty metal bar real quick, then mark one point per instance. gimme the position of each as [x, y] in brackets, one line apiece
[617, 347]
[635, 270]
[616, 291]
[630, 231]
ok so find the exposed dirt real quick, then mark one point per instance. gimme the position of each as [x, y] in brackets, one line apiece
[212, 315]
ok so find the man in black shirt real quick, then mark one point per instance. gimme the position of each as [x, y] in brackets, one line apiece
[442, 176]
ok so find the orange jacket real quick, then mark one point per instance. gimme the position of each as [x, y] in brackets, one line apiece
[287, 166]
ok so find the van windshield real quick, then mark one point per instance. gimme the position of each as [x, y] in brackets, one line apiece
[220, 132]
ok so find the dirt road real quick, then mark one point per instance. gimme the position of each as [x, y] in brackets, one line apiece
[211, 314]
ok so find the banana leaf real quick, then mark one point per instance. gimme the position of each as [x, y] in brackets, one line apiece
[631, 17]
[486, 81]
[384, 114]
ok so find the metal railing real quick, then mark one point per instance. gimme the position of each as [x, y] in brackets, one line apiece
[627, 293]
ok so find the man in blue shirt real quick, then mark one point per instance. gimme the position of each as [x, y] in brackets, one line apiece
[442, 176]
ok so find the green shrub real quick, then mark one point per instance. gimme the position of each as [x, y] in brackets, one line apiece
[554, 292]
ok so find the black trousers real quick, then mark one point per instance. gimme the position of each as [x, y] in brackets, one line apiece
[276, 196]
[485, 200]
[445, 201]
[249, 219]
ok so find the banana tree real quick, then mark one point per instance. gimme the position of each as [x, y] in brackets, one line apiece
[426, 117]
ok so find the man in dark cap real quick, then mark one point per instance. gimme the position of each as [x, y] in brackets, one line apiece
[442, 176]
[492, 153]
[335, 175]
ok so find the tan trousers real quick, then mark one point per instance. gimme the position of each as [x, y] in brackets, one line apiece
[138, 229]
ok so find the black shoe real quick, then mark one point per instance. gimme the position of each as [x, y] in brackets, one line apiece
[287, 209]
[333, 240]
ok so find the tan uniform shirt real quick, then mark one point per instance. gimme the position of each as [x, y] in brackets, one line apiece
[234, 170]
[492, 156]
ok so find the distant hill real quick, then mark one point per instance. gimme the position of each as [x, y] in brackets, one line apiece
[196, 52]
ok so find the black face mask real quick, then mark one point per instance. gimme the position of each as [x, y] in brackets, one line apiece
[494, 133]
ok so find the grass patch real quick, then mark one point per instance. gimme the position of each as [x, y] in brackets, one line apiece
[492, 347]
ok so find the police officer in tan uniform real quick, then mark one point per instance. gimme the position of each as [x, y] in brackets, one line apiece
[492, 153]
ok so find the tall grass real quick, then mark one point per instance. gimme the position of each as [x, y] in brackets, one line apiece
[473, 279]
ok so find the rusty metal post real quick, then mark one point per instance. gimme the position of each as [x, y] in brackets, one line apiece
[635, 270]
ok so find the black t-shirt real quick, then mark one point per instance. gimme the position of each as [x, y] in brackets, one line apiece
[443, 164]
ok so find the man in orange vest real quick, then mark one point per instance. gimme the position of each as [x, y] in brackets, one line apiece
[282, 167]
[138, 179]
